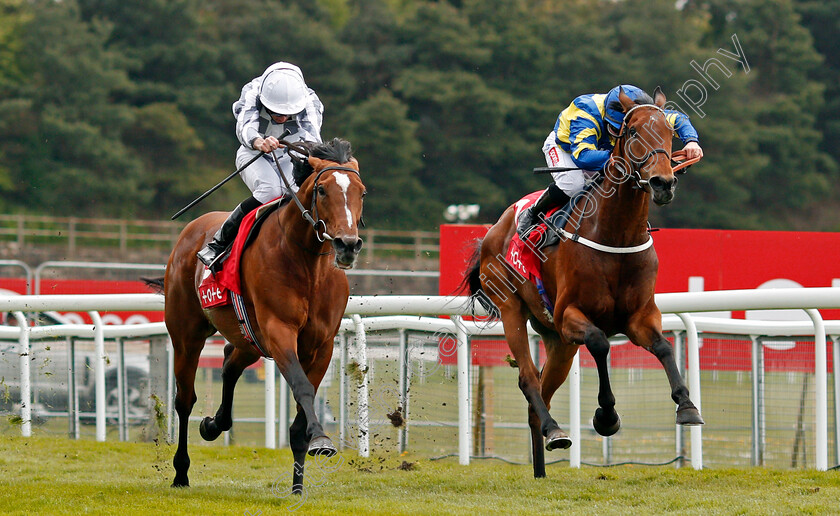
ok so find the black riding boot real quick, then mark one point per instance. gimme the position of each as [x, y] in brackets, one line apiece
[553, 196]
[224, 237]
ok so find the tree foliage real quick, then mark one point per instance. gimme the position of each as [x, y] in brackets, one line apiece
[123, 107]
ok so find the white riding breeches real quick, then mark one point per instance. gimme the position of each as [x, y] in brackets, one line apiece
[571, 181]
[262, 176]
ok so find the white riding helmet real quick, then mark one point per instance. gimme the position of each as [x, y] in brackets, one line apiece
[284, 92]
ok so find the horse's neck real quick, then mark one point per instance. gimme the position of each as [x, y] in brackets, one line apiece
[620, 217]
[297, 238]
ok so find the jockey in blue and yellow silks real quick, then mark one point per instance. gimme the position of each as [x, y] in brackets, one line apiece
[582, 139]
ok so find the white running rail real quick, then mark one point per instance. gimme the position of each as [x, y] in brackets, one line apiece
[381, 313]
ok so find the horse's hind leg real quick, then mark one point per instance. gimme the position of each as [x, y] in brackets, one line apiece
[236, 360]
[577, 328]
[646, 332]
[186, 363]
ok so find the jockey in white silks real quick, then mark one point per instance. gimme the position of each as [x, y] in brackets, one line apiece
[270, 104]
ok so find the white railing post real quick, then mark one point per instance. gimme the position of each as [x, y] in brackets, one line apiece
[283, 417]
[694, 387]
[464, 402]
[403, 363]
[821, 387]
[25, 378]
[836, 363]
[342, 390]
[270, 403]
[679, 435]
[99, 372]
[574, 412]
[360, 356]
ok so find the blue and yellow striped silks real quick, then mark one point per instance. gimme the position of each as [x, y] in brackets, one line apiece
[581, 130]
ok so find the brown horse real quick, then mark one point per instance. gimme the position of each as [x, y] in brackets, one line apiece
[596, 291]
[294, 292]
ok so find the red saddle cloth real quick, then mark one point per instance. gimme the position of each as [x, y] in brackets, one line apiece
[524, 255]
[215, 290]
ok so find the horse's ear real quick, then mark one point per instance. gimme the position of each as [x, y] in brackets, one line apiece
[658, 97]
[626, 101]
[317, 163]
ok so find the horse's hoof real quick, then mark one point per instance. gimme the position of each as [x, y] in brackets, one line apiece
[181, 482]
[690, 417]
[604, 425]
[206, 433]
[557, 439]
[321, 446]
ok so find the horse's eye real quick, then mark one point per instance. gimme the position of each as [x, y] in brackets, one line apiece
[632, 131]
[321, 190]
[364, 194]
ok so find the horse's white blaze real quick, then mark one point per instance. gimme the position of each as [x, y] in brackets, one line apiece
[343, 181]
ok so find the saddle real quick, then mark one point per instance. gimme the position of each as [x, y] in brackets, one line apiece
[215, 287]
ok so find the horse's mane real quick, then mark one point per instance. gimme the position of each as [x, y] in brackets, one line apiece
[643, 99]
[336, 150]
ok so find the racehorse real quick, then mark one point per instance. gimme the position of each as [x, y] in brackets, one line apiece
[600, 280]
[294, 292]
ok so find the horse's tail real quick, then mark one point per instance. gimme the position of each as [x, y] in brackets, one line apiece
[472, 282]
[155, 284]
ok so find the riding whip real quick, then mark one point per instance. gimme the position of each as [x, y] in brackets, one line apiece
[225, 180]
[550, 170]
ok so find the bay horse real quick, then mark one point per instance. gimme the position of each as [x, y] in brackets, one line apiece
[600, 280]
[294, 292]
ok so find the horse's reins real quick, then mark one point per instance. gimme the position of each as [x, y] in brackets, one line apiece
[311, 215]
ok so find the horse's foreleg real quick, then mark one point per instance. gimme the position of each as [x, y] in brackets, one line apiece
[537, 450]
[539, 419]
[299, 444]
[303, 391]
[646, 332]
[236, 360]
[558, 362]
[577, 328]
[185, 398]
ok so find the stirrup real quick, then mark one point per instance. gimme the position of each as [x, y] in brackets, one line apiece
[211, 258]
[523, 229]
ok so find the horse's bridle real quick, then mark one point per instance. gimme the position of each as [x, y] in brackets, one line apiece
[635, 174]
[310, 215]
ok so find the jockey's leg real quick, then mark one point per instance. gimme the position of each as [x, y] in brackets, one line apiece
[551, 197]
[214, 249]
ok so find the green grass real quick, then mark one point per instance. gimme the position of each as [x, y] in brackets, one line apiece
[58, 476]
[647, 412]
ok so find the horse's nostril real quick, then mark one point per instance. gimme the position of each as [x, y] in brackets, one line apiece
[659, 183]
[349, 243]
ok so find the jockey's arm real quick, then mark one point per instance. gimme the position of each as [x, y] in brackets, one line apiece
[685, 132]
[584, 133]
